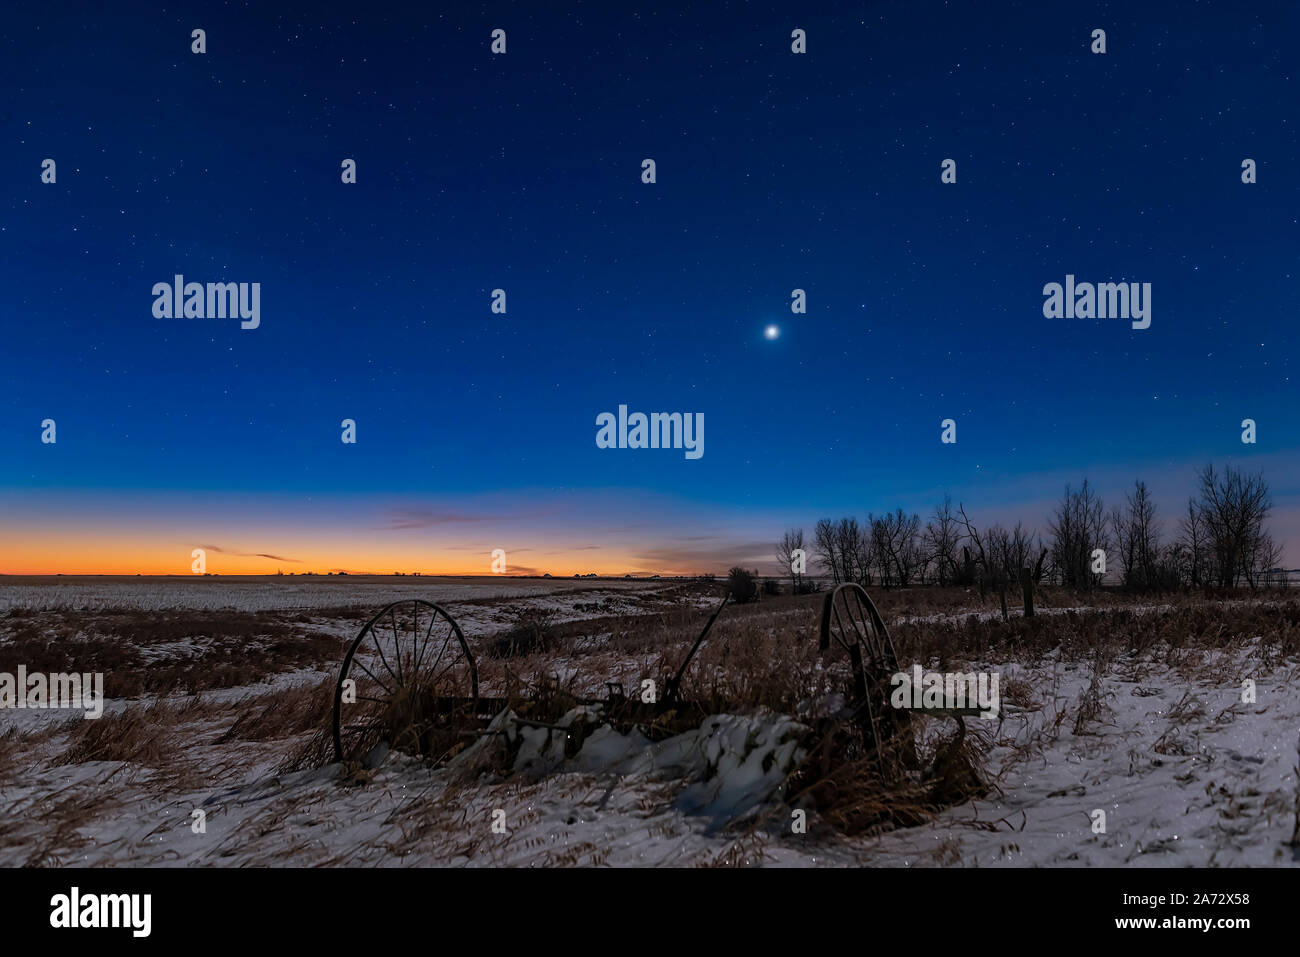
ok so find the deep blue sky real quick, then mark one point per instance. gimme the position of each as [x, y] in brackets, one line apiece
[522, 171]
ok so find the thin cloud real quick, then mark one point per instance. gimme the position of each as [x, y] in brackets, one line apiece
[717, 557]
[403, 518]
[406, 518]
[225, 551]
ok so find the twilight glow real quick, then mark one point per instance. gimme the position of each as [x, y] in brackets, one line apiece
[184, 424]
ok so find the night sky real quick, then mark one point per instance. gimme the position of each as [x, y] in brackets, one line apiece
[523, 171]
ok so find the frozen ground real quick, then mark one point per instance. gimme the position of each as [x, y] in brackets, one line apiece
[1184, 771]
[1186, 775]
[288, 593]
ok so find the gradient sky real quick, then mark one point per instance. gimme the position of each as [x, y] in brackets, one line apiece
[775, 171]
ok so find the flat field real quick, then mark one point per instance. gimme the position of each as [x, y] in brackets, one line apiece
[1159, 732]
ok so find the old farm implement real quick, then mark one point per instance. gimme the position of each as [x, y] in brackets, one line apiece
[409, 682]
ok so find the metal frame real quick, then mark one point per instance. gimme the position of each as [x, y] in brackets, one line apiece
[437, 708]
[849, 619]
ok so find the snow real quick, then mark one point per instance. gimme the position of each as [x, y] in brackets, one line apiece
[297, 593]
[1186, 773]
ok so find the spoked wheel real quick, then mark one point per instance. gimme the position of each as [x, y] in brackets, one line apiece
[850, 619]
[408, 682]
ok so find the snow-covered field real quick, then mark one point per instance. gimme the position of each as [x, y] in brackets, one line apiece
[287, 593]
[1155, 738]
[1185, 773]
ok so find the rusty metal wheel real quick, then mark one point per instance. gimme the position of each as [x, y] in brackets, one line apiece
[408, 683]
[850, 619]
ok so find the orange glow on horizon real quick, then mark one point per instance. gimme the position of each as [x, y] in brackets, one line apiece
[104, 555]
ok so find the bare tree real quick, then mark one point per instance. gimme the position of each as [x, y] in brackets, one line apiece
[828, 554]
[912, 557]
[1263, 558]
[855, 550]
[941, 539]
[997, 546]
[791, 542]
[1078, 528]
[1233, 507]
[1008, 550]
[1137, 538]
[975, 548]
[842, 548]
[893, 546]
[1191, 542]
[878, 550]
[1020, 552]
[1145, 528]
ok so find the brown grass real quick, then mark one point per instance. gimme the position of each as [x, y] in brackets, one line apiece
[218, 650]
[137, 735]
[287, 714]
[533, 632]
[758, 656]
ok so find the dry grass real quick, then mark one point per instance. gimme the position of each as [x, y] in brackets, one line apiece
[1079, 635]
[288, 714]
[910, 777]
[757, 656]
[9, 747]
[534, 632]
[1092, 708]
[765, 656]
[136, 735]
[64, 817]
[155, 654]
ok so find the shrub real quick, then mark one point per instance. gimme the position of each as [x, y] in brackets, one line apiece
[534, 631]
[742, 584]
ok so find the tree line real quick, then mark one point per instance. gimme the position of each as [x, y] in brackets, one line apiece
[1220, 540]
